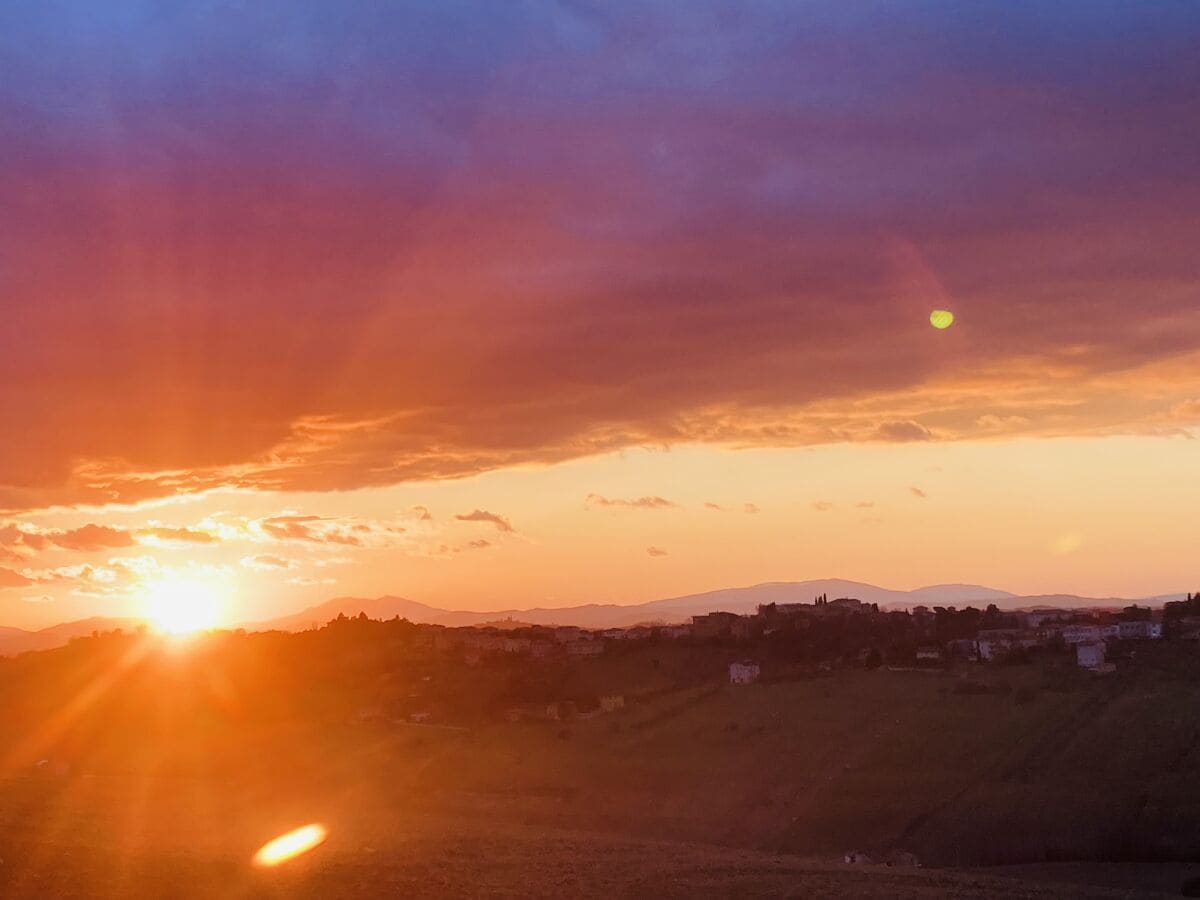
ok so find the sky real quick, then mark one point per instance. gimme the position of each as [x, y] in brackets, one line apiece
[500, 305]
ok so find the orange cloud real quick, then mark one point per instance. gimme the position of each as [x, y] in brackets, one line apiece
[638, 503]
[267, 563]
[656, 551]
[311, 529]
[482, 515]
[11, 579]
[177, 535]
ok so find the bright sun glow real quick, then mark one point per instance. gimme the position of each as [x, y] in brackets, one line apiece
[290, 845]
[179, 606]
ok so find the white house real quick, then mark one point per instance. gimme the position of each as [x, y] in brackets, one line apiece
[1140, 630]
[744, 672]
[1090, 655]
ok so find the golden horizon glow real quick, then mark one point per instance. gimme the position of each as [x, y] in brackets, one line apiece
[290, 845]
[180, 606]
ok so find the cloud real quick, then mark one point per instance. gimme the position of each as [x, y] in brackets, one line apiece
[656, 551]
[917, 492]
[865, 504]
[168, 535]
[903, 432]
[422, 514]
[303, 581]
[638, 503]
[89, 538]
[478, 544]
[311, 529]
[1188, 410]
[748, 508]
[267, 563]
[482, 515]
[11, 579]
[757, 272]
[24, 540]
[822, 505]
[993, 422]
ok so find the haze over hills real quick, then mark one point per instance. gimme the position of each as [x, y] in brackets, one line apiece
[681, 609]
[18, 640]
[595, 615]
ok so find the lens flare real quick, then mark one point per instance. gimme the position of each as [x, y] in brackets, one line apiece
[290, 845]
[941, 318]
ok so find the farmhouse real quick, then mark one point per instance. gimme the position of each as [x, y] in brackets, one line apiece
[744, 672]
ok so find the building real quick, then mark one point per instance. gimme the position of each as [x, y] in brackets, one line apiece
[742, 628]
[1082, 634]
[744, 672]
[1036, 618]
[1090, 654]
[1140, 630]
[712, 625]
[929, 653]
[612, 702]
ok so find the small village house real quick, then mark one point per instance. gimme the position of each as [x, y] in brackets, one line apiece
[743, 672]
[1090, 655]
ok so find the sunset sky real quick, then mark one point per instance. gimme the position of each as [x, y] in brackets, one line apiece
[512, 304]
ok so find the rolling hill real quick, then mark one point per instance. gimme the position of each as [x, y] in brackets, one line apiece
[669, 610]
[18, 640]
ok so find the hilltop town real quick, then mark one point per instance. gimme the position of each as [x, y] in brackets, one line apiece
[778, 642]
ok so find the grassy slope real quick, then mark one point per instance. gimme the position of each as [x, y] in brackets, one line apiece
[873, 759]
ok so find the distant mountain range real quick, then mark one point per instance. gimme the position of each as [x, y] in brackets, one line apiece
[681, 609]
[18, 640]
[595, 615]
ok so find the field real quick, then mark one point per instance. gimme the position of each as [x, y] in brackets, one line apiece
[193, 845]
[1071, 781]
[1021, 764]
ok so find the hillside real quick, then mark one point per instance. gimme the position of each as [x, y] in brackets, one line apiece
[1001, 765]
[18, 640]
[180, 761]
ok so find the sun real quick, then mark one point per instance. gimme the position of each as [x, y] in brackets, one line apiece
[180, 606]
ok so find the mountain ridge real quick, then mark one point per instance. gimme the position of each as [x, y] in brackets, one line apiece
[671, 610]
